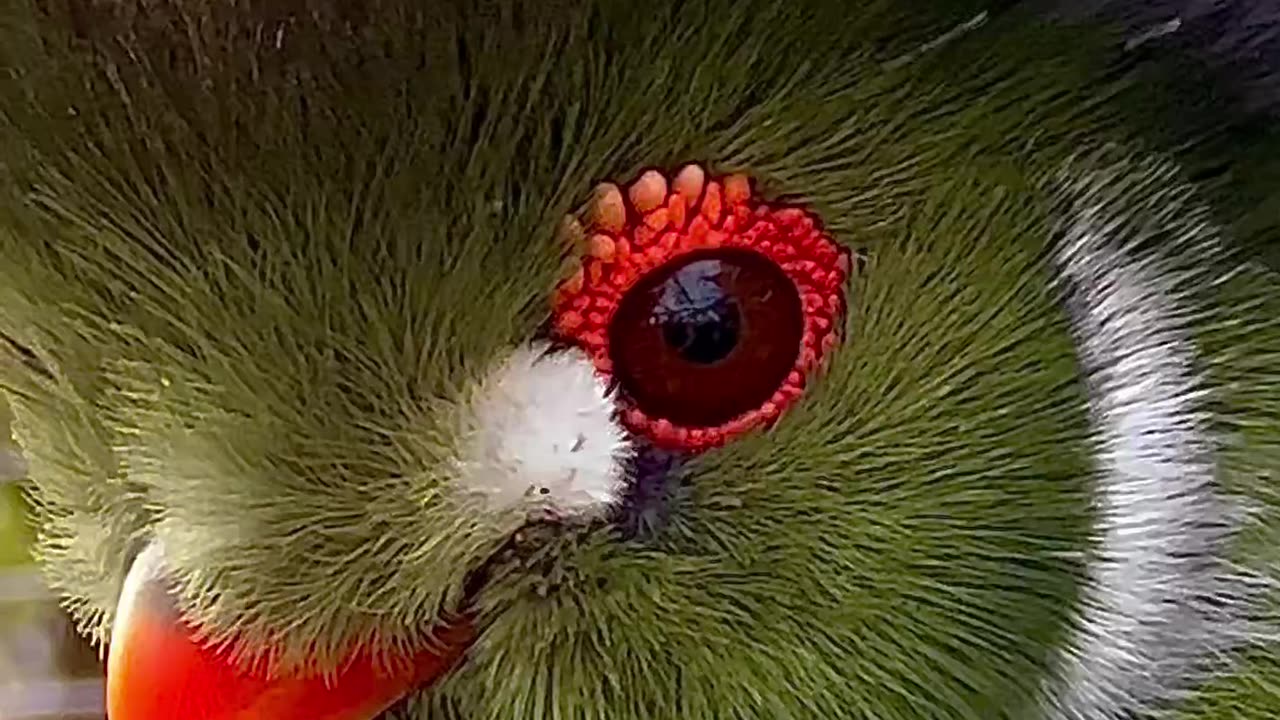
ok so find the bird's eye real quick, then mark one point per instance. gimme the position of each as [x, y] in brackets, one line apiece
[707, 337]
[708, 306]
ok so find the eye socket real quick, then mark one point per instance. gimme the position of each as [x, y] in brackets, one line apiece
[708, 306]
[707, 337]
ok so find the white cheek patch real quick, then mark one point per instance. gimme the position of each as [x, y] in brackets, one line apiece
[543, 435]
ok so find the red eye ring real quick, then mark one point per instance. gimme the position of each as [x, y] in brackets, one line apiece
[628, 238]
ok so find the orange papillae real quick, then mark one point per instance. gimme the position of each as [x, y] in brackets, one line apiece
[693, 213]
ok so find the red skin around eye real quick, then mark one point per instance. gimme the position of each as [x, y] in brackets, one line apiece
[723, 214]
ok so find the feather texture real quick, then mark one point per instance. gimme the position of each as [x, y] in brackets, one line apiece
[259, 262]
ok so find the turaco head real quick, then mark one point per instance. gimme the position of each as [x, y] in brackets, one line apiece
[757, 359]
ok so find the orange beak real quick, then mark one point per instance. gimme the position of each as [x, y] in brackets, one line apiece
[157, 670]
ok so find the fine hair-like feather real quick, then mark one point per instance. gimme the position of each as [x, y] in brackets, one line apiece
[258, 259]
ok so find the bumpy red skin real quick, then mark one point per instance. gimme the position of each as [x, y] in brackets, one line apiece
[725, 214]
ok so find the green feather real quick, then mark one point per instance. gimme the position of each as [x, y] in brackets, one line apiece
[260, 258]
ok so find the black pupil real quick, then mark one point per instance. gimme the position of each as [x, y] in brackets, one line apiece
[705, 338]
[700, 321]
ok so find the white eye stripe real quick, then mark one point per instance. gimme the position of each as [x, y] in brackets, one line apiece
[542, 433]
[1162, 601]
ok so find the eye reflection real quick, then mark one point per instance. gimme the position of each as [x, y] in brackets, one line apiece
[699, 320]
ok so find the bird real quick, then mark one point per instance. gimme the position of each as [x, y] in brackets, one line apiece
[382, 360]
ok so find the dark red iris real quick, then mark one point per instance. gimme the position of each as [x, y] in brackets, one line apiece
[710, 308]
[707, 337]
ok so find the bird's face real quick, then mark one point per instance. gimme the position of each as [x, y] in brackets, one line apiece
[622, 362]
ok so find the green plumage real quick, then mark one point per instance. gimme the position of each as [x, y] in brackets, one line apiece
[258, 258]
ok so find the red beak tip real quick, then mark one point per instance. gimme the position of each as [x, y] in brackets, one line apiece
[156, 669]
